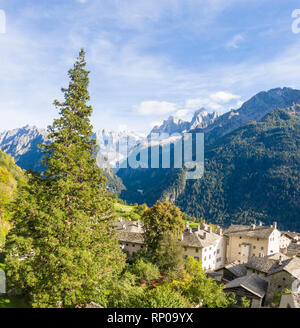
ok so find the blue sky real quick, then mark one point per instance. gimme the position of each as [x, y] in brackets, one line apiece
[148, 58]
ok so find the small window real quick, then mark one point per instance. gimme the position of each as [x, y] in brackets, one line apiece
[142, 246]
[126, 244]
[197, 250]
[262, 248]
[240, 237]
[196, 258]
[254, 247]
[283, 278]
[257, 239]
[279, 286]
[185, 249]
[133, 245]
[218, 251]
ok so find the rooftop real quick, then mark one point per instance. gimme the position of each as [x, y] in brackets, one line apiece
[239, 270]
[273, 264]
[253, 283]
[253, 231]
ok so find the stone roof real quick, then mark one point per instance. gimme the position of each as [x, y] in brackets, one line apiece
[291, 235]
[132, 226]
[243, 230]
[199, 238]
[253, 283]
[132, 237]
[271, 264]
[239, 270]
[293, 249]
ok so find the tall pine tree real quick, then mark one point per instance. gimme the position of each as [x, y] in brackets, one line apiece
[62, 251]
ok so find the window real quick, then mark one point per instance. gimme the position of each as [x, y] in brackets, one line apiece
[196, 258]
[126, 244]
[254, 247]
[197, 250]
[257, 239]
[240, 237]
[133, 245]
[279, 286]
[219, 259]
[185, 249]
[283, 279]
[209, 256]
[262, 248]
[218, 251]
[142, 246]
[205, 258]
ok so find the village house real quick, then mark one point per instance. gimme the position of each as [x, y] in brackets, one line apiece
[280, 271]
[252, 287]
[205, 245]
[244, 242]
[201, 243]
[130, 235]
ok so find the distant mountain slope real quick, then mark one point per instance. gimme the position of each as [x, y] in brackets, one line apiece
[252, 173]
[252, 110]
[22, 145]
[201, 120]
[163, 183]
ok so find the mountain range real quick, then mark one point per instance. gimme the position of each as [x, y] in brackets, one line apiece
[148, 185]
[251, 161]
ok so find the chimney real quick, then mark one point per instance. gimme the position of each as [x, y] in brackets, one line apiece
[280, 260]
[204, 235]
[275, 225]
[124, 226]
[187, 225]
[260, 224]
[253, 226]
[220, 231]
[209, 229]
[182, 237]
[120, 219]
[199, 228]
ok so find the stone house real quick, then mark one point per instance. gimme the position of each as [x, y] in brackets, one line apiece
[253, 287]
[280, 271]
[200, 243]
[130, 235]
[205, 245]
[242, 242]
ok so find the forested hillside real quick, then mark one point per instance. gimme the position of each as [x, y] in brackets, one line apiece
[252, 173]
[10, 176]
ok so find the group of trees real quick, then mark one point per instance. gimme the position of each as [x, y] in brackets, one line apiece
[62, 251]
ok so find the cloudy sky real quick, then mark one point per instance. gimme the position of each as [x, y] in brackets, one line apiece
[148, 58]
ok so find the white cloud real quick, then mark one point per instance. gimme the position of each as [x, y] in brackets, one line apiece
[223, 97]
[155, 108]
[235, 41]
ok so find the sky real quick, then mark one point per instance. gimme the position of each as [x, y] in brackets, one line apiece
[149, 59]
